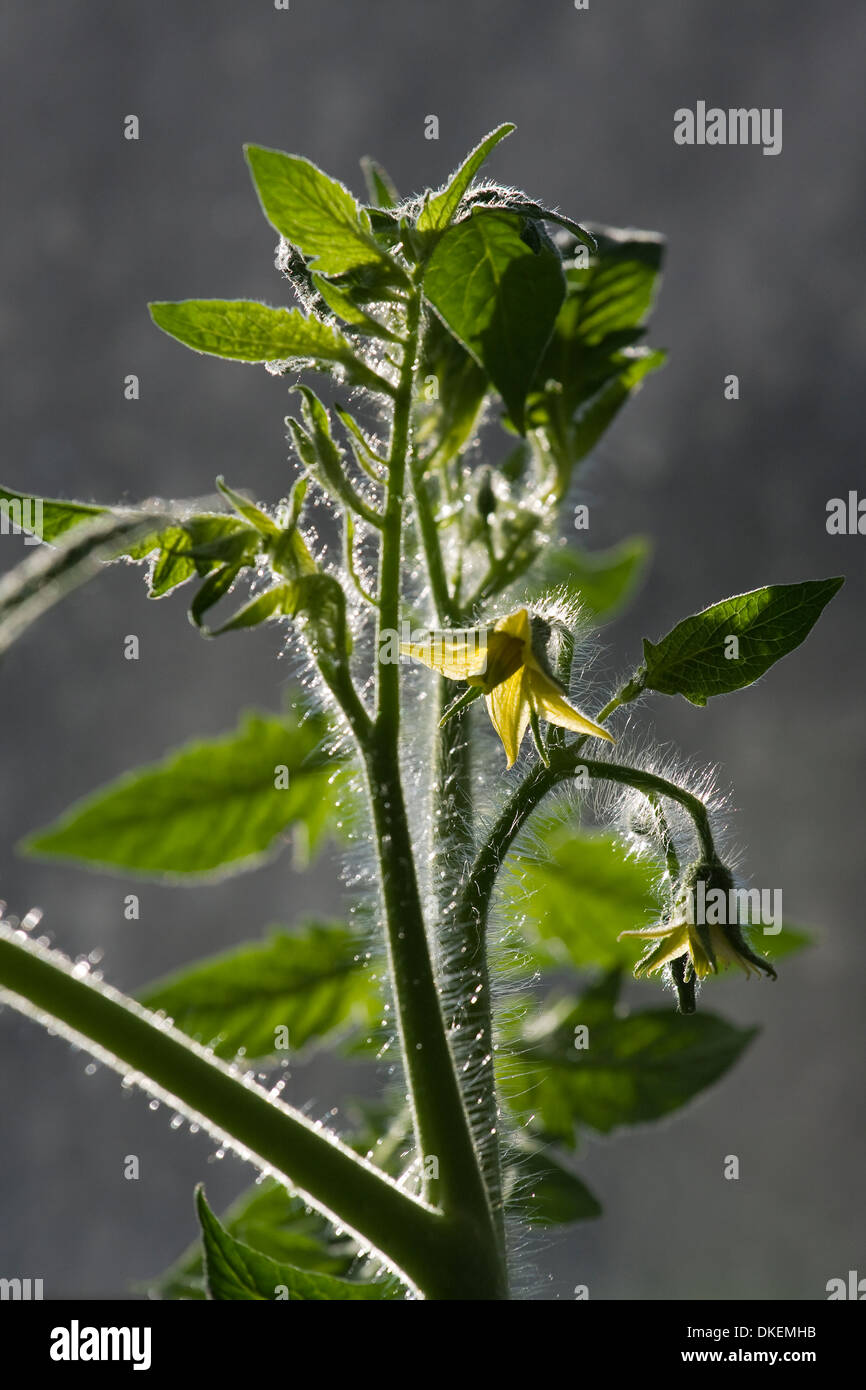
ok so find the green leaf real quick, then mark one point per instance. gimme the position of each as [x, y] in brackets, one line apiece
[575, 900]
[273, 1222]
[215, 587]
[546, 1192]
[196, 547]
[597, 415]
[380, 185]
[494, 197]
[314, 982]
[236, 1272]
[320, 603]
[603, 580]
[313, 211]
[208, 809]
[179, 551]
[461, 388]
[439, 210]
[45, 517]
[273, 603]
[618, 287]
[324, 460]
[634, 1069]
[693, 660]
[246, 331]
[264, 524]
[341, 303]
[499, 297]
[591, 366]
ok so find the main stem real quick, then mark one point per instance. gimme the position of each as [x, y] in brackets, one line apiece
[462, 940]
[442, 1126]
[465, 969]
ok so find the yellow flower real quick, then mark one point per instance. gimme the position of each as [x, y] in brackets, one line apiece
[502, 662]
[707, 948]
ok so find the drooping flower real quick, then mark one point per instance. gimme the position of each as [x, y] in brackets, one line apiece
[504, 665]
[705, 947]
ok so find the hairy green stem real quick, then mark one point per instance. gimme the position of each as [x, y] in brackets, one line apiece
[463, 967]
[270, 1133]
[536, 785]
[667, 842]
[441, 1122]
[448, 610]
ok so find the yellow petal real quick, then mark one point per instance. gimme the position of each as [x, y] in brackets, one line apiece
[700, 960]
[509, 709]
[505, 655]
[456, 655]
[647, 932]
[678, 943]
[553, 706]
[516, 625]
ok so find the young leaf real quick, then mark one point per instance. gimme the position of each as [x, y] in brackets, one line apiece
[192, 546]
[312, 983]
[319, 602]
[341, 302]
[380, 186]
[248, 511]
[312, 211]
[246, 331]
[196, 546]
[439, 210]
[236, 1272]
[732, 644]
[215, 587]
[271, 1221]
[508, 200]
[273, 603]
[45, 517]
[499, 297]
[602, 580]
[214, 807]
[635, 1069]
[324, 460]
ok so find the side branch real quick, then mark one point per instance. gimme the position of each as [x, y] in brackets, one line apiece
[532, 791]
[125, 1036]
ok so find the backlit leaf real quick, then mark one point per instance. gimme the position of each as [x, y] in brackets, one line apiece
[213, 807]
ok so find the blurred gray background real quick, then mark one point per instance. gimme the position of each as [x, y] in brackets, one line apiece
[764, 279]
